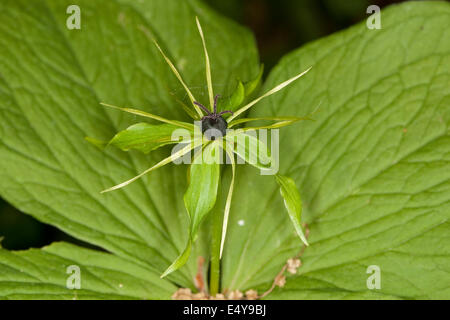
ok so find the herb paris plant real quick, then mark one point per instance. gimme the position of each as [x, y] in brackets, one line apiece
[373, 171]
[201, 194]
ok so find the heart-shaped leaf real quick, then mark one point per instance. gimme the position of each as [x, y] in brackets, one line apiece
[65, 271]
[52, 80]
[373, 170]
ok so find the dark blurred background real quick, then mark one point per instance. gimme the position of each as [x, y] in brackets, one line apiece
[283, 25]
[279, 27]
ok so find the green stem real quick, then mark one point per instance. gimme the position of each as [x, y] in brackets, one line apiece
[214, 276]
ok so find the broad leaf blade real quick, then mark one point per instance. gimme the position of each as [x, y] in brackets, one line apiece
[232, 102]
[272, 91]
[144, 137]
[292, 202]
[251, 86]
[43, 274]
[201, 194]
[240, 94]
[373, 170]
[50, 102]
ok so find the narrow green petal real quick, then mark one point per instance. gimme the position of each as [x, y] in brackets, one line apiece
[292, 202]
[244, 120]
[272, 126]
[177, 74]
[182, 124]
[167, 160]
[180, 260]
[270, 92]
[230, 195]
[208, 66]
[250, 149]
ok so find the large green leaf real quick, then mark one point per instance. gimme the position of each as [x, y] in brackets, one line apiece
[200, 196]
[144, 137]
[43, 274]
[51, 82]
[292, 202]
[240, 94]
[373, 170]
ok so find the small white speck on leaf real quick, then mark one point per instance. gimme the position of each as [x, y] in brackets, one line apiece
[182, 63]
[241, 222]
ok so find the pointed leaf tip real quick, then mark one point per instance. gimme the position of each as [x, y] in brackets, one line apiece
[207, 64]
[163, 162]
[180, 260]
[292, 202]
[199, 198]
[180, 79]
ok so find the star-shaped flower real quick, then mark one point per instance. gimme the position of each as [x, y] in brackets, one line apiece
[209, 136]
